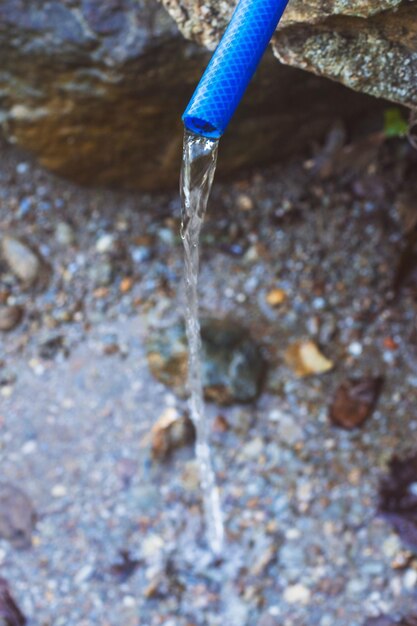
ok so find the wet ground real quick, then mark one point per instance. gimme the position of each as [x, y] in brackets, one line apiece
[77, 403]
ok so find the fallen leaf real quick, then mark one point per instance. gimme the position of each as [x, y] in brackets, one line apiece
[354, 401]
[276, 297]
[170, 432]
[305, 359]
[398, 498]
[17, 516]
[10, 614]
[125, 568]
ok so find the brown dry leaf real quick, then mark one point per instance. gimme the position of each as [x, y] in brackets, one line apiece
[276, 297]
[170, 432]
[354, 401]
[305, 359]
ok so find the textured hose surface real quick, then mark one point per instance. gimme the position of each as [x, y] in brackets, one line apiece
[232, 66]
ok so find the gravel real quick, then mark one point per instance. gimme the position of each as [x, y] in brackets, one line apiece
[304, 545]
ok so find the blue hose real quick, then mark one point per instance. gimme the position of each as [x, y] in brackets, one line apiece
[232, 66]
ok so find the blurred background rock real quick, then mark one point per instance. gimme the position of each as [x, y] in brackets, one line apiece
[95, 90]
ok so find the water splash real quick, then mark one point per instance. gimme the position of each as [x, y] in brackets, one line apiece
[198, 167]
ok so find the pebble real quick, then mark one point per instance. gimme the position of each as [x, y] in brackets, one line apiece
[355, 348]
[245, 202]
[101, 273]
[253, 449]
[297, 594]
[391, 546]
[22, 261]
[105, 243]
[59, 491]
[83, 574]
[152, 546]
[17, 516]
[410, 579]
[171, 431]
[64, 234]
[287, 429]
[10, 317]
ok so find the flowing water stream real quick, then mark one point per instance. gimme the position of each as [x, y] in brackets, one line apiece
[198, 167]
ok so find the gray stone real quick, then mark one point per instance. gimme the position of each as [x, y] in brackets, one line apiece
[64, 234]
[17, 516]
[22, 261]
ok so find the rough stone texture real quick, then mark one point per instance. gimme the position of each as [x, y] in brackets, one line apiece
[96, 91]
[368, 45]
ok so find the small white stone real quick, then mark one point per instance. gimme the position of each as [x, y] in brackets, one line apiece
[152, 546]
[22, 168]
[83, 574]
[7, 391]
[105, 243]
[297, 594]
[129, 602]
[292, 533]
[410, 579]
[355, 348]
[29, 447]
[58, 491]
[391, 546]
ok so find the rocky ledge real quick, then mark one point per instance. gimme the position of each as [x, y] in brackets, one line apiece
[368, 45]
[95, 90]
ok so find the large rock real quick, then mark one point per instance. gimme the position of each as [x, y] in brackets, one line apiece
[369, 45]
[96, 89]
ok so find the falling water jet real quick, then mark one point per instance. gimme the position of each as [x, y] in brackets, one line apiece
[205, 119]
[199, 165]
